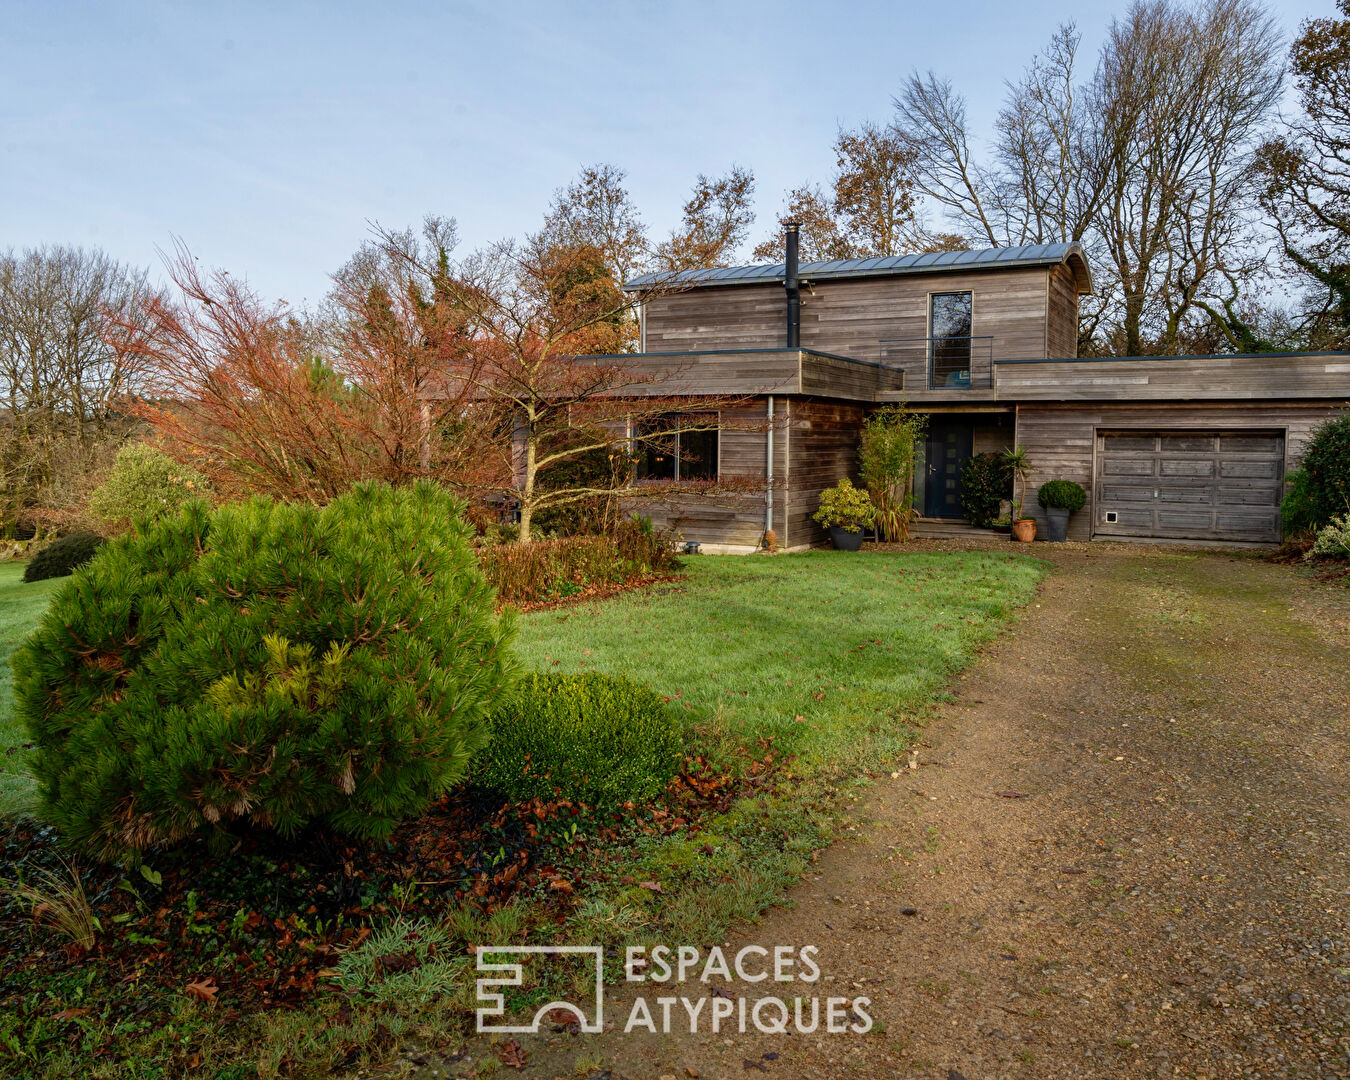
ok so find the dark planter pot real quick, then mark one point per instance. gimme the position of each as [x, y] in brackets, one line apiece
[1059, 524]
[843, 540]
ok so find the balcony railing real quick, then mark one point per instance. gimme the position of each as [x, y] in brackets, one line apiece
[943, 363]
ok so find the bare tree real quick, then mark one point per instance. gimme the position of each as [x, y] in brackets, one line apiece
[596, 211]
[59, 379]
[1305, 174]
[715, 222]
[1149, 164]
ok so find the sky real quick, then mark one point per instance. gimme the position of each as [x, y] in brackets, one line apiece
[269, 136]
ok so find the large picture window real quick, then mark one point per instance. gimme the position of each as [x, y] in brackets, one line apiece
[676, 447]
[950, 322]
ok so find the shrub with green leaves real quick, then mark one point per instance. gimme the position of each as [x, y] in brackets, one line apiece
[1322, 491]
[262, 667]
[1333, 539]
[986, 480]
[62, 557]
[845, 507]
[145, 482]
[595, 738]
[1062, 495]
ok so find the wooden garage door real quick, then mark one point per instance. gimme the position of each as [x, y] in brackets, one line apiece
[1194, 485]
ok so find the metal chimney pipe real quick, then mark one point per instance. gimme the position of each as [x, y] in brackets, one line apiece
[794, 294]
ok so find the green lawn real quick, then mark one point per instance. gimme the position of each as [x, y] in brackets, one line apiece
[20, 608]
[821, 650]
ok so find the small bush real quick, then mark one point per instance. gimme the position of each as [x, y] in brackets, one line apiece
[986, 480]
[1062, 495]
[595, 738]
[545, 570]
[1333, 540]
[63, 557]
[145, 482]
[845, 507]
[1322, 491]
[1297, 514]
[262, 667]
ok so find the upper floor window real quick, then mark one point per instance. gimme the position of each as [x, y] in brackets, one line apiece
[676, 447]
[949, 332]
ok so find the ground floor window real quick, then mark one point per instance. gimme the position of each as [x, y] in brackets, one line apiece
[676, 447]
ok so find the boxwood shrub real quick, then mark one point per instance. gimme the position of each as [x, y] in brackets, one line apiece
[262, 667]
[1062, 495]
[62, 557]
[594, 738]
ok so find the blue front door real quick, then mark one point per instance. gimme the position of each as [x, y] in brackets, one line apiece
[948, 448]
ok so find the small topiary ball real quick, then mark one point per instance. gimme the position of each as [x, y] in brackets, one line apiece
[62, 557]
[594, 738]
[261, 667]
[1062, 495]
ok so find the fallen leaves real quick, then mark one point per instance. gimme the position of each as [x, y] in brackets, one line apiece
[513, 1055]
[203, 990]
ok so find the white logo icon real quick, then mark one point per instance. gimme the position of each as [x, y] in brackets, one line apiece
[494, 1003]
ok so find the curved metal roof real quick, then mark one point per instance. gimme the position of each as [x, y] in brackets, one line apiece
[1071, 253]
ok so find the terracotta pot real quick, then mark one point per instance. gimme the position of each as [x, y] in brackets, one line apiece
[1024, 530]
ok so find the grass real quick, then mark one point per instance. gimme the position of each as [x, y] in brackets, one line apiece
[827, 662]
[20, 608]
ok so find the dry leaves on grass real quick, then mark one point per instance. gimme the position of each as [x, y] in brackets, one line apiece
[203, 990]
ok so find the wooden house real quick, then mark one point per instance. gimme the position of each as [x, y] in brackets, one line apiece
[985, 342]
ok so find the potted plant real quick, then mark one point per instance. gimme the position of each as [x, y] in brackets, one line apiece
[845, 511]
[1060, 499]
[1023, 527]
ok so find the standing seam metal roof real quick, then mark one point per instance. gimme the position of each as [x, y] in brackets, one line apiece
[1028, 255]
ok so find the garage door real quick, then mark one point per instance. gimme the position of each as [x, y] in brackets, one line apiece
[1190, 485]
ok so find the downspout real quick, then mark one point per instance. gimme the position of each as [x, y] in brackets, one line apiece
[768, 473]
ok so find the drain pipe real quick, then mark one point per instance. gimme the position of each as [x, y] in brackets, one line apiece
[768, 472]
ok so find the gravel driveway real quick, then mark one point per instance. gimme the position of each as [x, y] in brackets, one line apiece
[1123, 851]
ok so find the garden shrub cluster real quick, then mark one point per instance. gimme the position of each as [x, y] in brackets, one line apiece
[546, 570]
[1333, 539]
[986, 480]
[1320, 488]
[594, 738]
[845, 507]
[261, 667]
[145, 482]
[62, 557]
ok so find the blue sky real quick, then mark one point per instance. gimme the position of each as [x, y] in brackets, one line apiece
[267, 135]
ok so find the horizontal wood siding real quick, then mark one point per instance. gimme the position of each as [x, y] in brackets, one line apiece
[1253, 377]
[824, 446]
[1061, 325]
[852, 318]
[1060, 439]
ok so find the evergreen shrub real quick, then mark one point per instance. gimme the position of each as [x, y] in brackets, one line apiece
[62, 557]
[1321, 489]
[262, 667]
[986, 480]
[1062, 495]
[145, 482]
[594, 738]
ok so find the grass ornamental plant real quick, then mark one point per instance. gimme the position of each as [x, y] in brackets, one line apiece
[886, 466]
[62, 557]
[593, 738]
[261, 667]
[845, 507]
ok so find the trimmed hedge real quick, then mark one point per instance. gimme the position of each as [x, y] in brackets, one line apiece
[62, 557]
[262, 667]
[594, 738]
[1062, 495]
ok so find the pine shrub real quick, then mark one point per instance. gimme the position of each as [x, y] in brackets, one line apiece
[594, 738]
[62, 557]
[262, 667]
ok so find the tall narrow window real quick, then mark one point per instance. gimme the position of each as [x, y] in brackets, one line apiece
[676, 447]
[949, 333]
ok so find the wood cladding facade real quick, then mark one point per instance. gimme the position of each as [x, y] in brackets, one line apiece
[854, 317]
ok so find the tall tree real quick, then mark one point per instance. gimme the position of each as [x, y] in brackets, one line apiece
[59, 379]
[1149, 163]
[1306, 178]
[714, 224]
[821, 239]
[596, 211]
[874, 190]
